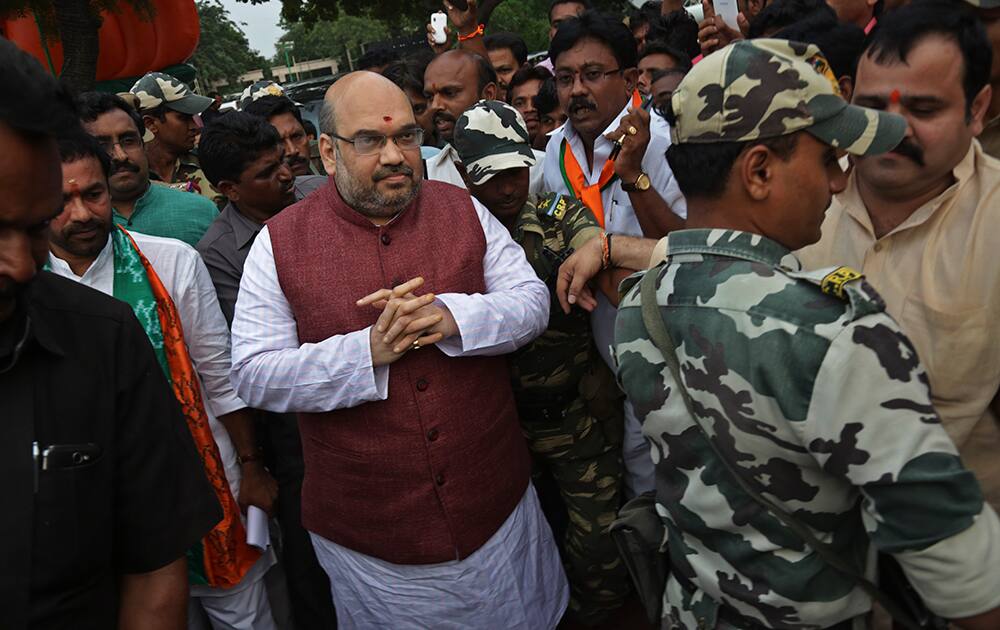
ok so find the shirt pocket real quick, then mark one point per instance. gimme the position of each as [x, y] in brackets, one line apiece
[954, 347]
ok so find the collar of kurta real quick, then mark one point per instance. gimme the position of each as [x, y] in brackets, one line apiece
[140, 203]
[731, 244]
[855, 207]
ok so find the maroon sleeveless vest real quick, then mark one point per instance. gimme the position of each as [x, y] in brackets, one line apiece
[430, 473]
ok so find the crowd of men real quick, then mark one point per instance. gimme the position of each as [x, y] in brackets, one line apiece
[431, 349]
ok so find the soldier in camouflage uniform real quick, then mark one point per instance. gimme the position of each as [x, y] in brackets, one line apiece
[803, 381]
[569, 406]
[167, 106]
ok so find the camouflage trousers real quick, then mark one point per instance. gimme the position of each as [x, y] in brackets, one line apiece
[583, 453]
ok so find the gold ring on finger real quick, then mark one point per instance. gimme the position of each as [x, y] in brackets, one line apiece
[632, 131]
[415, 345]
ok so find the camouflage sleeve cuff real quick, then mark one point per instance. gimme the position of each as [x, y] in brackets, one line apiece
[659, 253]
[584, 235]
[958, 576]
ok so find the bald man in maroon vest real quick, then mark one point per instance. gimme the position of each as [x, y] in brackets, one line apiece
[379, 309]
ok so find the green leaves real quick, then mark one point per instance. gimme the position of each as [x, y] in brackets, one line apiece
[223, 51]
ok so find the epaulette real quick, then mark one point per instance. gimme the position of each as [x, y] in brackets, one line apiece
[553, 205]
[846, 284]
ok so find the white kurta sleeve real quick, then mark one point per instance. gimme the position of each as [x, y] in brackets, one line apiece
[513, 311]
[205, 331]
[273, 371]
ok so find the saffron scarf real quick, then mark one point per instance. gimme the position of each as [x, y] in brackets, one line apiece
[576, 180]
[223, 556]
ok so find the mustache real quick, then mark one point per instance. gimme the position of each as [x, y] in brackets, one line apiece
[117, 166]
[909, 150]
[443, 117]
[389, 171]
[580, 102]
[83, 226]
[295, 159]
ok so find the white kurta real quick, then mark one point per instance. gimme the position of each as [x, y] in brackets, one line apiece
[515, 580]
[206, 335]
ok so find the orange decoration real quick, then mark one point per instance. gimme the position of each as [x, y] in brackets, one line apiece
[129, 46]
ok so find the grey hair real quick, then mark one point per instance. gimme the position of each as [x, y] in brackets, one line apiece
[327, 118]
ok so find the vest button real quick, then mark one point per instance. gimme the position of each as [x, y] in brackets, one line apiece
[422, 385]
[432, 435]
[386, 239]
[439, 479]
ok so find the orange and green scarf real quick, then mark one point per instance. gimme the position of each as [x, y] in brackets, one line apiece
[576, 180]
[223, 556]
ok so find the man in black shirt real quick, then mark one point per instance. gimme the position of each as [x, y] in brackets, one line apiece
[104, 491]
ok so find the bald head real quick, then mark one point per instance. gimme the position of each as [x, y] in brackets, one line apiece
[465, 61]
[361, 91]
[453, 82]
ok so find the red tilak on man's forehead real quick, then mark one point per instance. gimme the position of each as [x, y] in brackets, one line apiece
[387, 118]
[894, 97]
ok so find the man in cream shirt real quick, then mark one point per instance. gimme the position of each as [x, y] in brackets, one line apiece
[921, 222]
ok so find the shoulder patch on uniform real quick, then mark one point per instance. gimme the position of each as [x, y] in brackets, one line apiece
[846, 284]
[833, 282]
[557, 207]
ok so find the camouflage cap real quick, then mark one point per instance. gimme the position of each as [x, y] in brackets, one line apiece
[764, 88]
[155, 89]
[491, 137]
[257, 90]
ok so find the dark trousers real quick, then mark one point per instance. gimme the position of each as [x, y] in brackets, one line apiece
[308, 585]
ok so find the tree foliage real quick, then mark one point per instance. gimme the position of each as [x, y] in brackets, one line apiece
[327, 38]
[223, 52]
[396, 13]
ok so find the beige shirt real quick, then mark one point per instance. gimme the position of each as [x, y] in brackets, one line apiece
[939, 273]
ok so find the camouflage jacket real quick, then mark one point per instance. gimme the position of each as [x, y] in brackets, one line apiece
[549, 229]
[808, 386]
[189, 177]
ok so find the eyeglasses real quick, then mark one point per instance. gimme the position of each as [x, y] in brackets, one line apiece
[367, 144]
[591, 76]
[127, 142]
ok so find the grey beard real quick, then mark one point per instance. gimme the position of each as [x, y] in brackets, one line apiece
[369, 201]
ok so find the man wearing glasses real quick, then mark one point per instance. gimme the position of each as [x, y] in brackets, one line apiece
[139, 204]
[378, 309]
[635, 193]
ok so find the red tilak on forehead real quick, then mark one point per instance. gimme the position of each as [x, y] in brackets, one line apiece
[387, 118]
[894, 97]
[74, 187]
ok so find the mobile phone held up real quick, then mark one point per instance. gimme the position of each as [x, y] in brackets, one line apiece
[727, 10]
[438, 21]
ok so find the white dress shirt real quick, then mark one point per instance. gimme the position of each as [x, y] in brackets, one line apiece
[619, 217]
[441, 168]
[273, 371]
[186, 279]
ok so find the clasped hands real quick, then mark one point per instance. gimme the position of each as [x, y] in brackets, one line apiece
[408, 321]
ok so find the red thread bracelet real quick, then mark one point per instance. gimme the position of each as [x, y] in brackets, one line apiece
[476, 33]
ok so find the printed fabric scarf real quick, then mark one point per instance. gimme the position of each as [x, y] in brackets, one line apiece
[223, 556]
[576, 180]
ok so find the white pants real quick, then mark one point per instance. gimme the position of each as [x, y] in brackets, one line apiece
[243, 607]
[515, 581]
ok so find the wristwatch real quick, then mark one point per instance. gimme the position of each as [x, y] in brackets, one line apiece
[641, 184]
